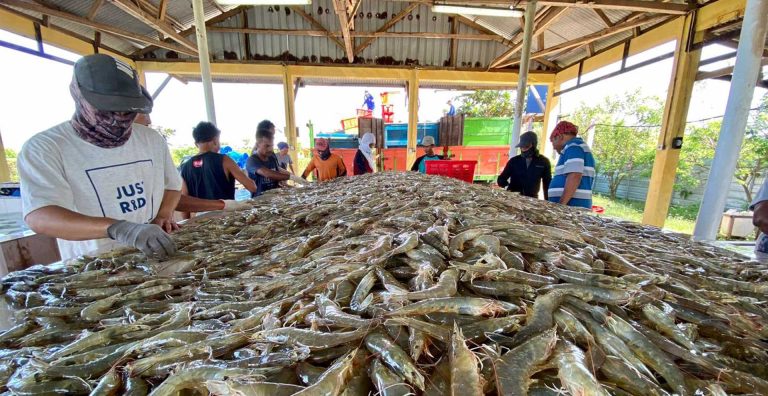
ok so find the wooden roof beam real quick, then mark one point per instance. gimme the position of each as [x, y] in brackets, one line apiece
[191, 30]
[317, 25]
[656, 7]
[94, 9]
[541, 26]
[371, 35]
[607, 21]
[395, 19]
[130, 36]
[341, 11]
[618, 28]
[480, 28]
[151, 20]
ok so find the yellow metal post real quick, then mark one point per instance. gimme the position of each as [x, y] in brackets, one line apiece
[552, 101]
[5, 170]
[686, 63]
[413, 118]
[290, 114]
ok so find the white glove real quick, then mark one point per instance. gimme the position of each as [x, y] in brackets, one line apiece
[230, 205]
[299, 180]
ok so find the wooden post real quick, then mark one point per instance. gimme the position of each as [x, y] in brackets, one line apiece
[142, 76]
[545, 147]
[290, 114]
[673, 125]
[413, 118]
[5, 170]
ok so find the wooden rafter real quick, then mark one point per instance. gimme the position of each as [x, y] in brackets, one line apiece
[217, 6]
[151, 20]
[317, 25]
[94, 9]
[618, 28]
[454, 43]
[656, 7]
[341, 11]
[542, 24]
[370, 35]
[96, 26]
[607, 21]
[191, 30]
[395, 19]
[162, 10]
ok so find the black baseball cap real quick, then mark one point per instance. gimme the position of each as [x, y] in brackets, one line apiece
[528, 138]
[109, 84]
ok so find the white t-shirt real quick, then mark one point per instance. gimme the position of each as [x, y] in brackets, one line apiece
[59, 168]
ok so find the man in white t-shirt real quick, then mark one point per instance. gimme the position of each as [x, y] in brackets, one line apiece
[99, 181]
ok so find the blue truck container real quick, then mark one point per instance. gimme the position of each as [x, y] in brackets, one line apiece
[396, 135]
[340, 140]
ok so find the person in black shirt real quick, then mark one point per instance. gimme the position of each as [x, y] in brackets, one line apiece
[210, 175]
[527, 172]
[262, 166]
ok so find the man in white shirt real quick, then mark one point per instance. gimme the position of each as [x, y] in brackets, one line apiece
[99, 181]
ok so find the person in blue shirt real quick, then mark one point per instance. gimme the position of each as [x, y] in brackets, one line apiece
[575, 169]
[451, 109]
[760, 220]
[368, 103]
[429, 154]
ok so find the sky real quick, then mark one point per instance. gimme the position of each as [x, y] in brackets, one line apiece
[36, 97]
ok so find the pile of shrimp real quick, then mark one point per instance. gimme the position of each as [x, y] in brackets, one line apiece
[395, 284]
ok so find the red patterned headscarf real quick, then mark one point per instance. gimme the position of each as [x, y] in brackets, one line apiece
[562, 128]
[105, 129]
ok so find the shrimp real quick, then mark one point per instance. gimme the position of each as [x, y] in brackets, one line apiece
[458, 305]
[456, 244]
[620, 373]
[465, 376]
[309, 338]
[101, 338]
[541, 316]
[387, 382]
[514, 369]
[232, 387]
[502, 289]
[666, 325]
[362, 291]
[333, 381]
[573, 372]
[649, 353]
[194, 378]
[394, 357]
[445, 287]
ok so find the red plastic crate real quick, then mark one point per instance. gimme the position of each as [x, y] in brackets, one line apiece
[462, 170]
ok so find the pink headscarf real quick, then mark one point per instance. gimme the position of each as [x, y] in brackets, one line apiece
[105, 129]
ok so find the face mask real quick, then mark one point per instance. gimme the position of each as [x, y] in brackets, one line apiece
[105, 129]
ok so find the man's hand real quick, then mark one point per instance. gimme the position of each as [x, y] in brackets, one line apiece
[299, 180]
[231, 205]
[149, 238]
[760, 217]
[168, 224]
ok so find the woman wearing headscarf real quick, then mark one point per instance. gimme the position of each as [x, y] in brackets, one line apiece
[328, 165]
[364, 157]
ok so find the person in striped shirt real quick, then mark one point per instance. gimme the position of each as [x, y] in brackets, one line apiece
[575, 170]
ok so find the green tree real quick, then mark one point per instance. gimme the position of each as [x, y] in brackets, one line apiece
[486, 104]
[178, 153]
[625, 129]
[10, 155]
[167, 133]
[699, 149]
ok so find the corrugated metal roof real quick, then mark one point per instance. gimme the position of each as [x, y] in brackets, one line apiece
[372, 15]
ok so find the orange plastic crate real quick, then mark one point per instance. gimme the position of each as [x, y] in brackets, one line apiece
[462, 170]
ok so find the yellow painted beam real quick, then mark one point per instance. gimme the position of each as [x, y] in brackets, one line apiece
[25, 27]
[712, 14]
[290, 114]
[660, 188]
[217, 69]
[413, 118]
[459, 77]
[142, 75]
[455, 77]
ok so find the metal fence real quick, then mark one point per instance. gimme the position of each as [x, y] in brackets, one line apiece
[637, 190]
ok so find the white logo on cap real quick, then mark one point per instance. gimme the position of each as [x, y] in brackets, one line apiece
[124, 67]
